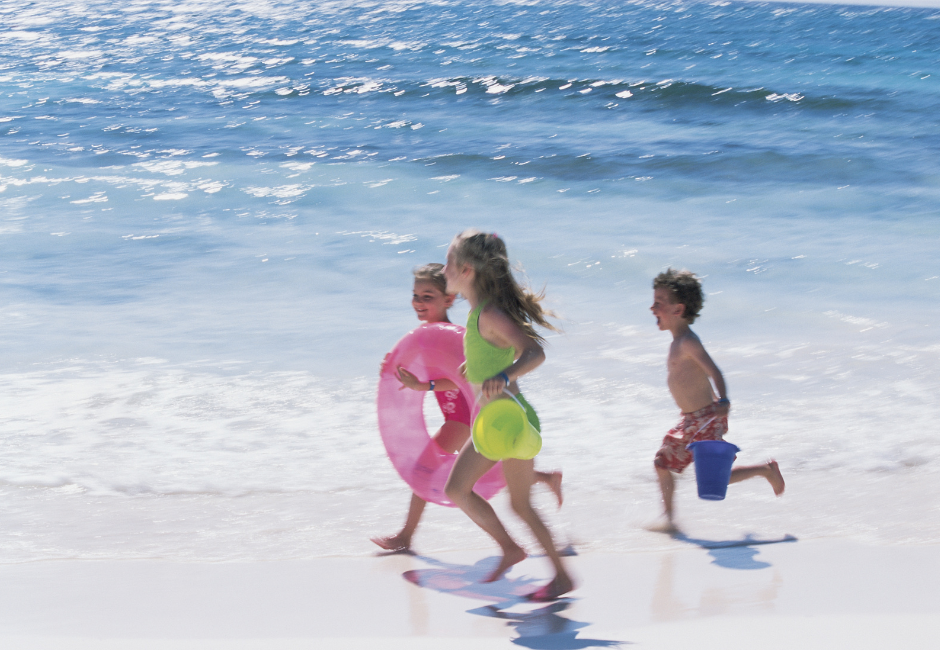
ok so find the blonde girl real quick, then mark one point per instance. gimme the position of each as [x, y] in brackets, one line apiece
[430, 300]
[500, 346]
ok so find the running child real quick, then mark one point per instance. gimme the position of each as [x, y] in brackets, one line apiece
[500, 345]
[431, 301]
[677, 300]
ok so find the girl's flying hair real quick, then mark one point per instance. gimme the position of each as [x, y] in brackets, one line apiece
[433, 273]
[494, 281]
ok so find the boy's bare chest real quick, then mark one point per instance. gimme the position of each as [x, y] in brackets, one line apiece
[681, 367]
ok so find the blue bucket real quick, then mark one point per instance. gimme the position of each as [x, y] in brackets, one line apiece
[713, 459]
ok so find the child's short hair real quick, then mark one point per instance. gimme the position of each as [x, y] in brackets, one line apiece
[685, 288]
[433, 273]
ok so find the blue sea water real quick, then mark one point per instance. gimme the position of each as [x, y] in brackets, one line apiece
[209, 212]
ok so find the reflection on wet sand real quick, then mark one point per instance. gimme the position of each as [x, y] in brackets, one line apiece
[666, 605]
[538, 625]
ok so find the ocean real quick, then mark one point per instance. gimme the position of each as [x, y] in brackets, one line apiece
[210, 211]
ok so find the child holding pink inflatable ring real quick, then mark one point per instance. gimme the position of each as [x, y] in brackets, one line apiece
[431, 301]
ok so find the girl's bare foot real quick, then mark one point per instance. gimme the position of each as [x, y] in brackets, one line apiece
[553, 590]
[393, 543]
[775, 477]
[510, 558]
[554, 484]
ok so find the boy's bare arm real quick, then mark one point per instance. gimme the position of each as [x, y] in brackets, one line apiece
[693, 348]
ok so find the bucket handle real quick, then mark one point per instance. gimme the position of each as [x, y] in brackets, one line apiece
[506, 390]
[712, 419]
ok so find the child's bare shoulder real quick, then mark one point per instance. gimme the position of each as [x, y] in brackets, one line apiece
[494, 321]
[493, 314]
[689, 343]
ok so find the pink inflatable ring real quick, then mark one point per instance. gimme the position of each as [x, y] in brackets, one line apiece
[431, 351]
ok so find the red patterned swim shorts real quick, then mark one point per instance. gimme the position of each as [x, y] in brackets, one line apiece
[703, 424]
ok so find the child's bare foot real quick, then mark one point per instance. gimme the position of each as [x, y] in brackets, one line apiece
[554, 484]
[775, 477]
[664, 525]
[510, 558]
[393, 543]
[552, 591]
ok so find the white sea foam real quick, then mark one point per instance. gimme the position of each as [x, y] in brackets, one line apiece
[189, 368]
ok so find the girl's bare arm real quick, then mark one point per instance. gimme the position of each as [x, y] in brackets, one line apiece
[498, 329]
[409, 380]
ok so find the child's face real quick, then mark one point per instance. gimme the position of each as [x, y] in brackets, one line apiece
[667, 312]
[457, 277]
[430, 304]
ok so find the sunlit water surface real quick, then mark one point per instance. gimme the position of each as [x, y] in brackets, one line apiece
[209, 213]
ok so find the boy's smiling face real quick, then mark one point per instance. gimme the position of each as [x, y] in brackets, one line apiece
[667, 312]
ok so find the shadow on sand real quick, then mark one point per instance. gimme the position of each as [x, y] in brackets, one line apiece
[735, 554]
[538, 624]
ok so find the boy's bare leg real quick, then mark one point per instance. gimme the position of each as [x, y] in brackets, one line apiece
[667, 484]
[520, 475]
[468, 468]
[769, 471]
[553, 481]
[402, 540]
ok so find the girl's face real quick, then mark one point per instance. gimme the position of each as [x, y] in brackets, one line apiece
[430, 304]
[458, 278]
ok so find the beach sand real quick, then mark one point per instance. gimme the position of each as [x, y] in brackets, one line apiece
[808, 594]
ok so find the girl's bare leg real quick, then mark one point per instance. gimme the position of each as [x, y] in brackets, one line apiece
[450, 437]
[401, 541]
[468, 468]
[520, 474]
[553, 481]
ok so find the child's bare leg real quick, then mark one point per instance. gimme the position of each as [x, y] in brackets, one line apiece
[520, 475]
[667, 485]
[469, 467]
[553, 481]
[401, 541]
[450, 438]
[769, 471]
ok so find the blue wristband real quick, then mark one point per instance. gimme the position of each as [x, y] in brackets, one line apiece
[724, 400]
[505, 377]
[431, 381]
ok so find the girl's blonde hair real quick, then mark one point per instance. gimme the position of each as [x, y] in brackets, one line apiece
[494, 281]
[433, 273]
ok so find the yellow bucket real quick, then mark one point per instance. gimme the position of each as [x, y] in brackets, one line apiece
[502, 430]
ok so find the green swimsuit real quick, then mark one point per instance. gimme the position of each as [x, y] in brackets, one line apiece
[485, 360]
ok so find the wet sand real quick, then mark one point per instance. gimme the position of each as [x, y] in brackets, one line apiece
[807, 594]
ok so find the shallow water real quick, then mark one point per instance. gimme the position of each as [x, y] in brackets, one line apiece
[210, 213]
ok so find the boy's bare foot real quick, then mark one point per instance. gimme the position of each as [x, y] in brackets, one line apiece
[554, 484]
[510, 558]
[552, 591]
[664, 525]
[393, 543]
[775, 478]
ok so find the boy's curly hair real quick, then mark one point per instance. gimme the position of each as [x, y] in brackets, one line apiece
[685, 289]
